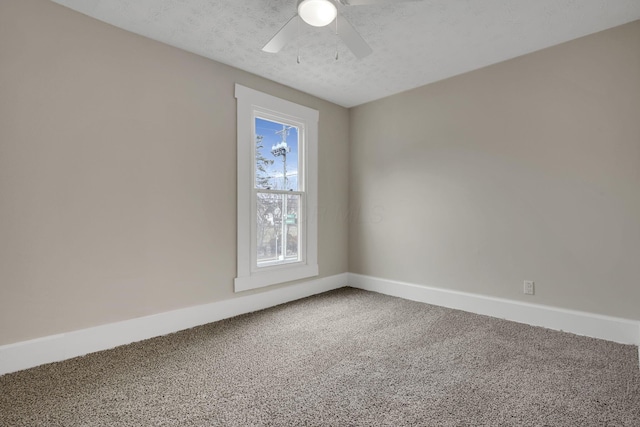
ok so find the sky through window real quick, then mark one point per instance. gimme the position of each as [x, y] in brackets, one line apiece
[273, 138]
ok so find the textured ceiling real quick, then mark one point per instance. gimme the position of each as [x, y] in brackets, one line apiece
[414, 43]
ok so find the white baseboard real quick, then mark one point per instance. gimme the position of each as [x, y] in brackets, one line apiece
[27, 354]
[615, 329]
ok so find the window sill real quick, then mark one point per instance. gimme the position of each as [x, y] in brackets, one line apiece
[267, 278]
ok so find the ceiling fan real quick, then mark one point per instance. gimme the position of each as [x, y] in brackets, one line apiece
[320, 13]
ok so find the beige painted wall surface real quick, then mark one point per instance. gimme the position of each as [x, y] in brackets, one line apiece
[118, 177]
[525, 170]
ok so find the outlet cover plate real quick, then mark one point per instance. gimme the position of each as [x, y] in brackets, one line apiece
[529, 287]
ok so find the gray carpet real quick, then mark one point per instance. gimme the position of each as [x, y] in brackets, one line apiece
[344, 358]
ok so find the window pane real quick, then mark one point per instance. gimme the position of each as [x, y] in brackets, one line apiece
[269, 227]
[292, 227]
[276, 165]
[277, 216]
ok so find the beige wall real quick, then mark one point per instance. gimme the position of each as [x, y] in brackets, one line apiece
[526, 170]
[117, 174]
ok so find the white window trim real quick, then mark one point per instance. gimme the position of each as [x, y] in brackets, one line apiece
[248, 102]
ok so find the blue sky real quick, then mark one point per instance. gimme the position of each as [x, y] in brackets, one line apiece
[268, 129]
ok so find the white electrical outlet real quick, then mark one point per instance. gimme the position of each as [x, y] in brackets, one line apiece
[529, 287]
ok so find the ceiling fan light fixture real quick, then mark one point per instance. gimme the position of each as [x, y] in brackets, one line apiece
[318, 13]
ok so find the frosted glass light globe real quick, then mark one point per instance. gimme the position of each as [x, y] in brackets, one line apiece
[317, 12]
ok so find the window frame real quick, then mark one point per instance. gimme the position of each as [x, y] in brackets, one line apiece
[251, 104]
[259, 112]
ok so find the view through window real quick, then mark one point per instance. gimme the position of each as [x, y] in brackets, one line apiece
[279, 192]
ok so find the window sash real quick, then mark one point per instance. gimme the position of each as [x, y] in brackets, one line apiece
[301, 225]
[261, 113]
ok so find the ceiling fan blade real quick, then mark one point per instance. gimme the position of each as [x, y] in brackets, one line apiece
[352, 39]
[368, 2]
[287, 33]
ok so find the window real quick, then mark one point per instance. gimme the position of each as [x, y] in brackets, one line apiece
[277, 190]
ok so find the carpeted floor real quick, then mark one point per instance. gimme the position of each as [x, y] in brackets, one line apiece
[344, 358]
